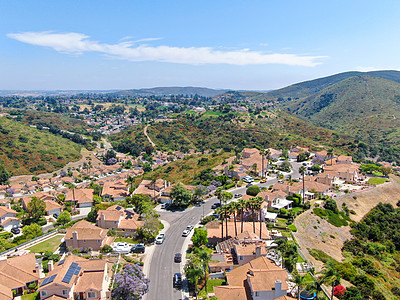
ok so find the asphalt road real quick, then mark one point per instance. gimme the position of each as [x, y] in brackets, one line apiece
[162, 266]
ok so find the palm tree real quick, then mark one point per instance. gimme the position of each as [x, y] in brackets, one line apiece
[219, 211]
[331, 275]
[205, 258]
[302, 171]
[282, 246]
[226, 210]
[71, 187]
[300, 282]
[262, 153]
[254, 168]
[251, 204]
[130, 180]
[193, 272]
[258, 201]
[234, 209]
[241, 206]
[330, 154]
[218, 193]
[267, 153]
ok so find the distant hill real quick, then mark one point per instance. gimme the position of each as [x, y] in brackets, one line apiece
[307, 88]
[165, 91]
[26, 150]
[362, 106]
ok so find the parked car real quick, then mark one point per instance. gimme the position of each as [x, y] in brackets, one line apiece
[215, 205]
[178, 258]
[164, 205]
[263, 180]
[280, 180]
[160, 239]
[138, 248]
[250, 184]
[238, 195]
[121, 248]
[177, 280]
[15, 230]
[215, 216]
[248, 179]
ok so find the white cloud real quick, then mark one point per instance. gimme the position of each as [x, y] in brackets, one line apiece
[366, 69]
[78, 43]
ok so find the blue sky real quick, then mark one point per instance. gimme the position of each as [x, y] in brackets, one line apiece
[256, 45]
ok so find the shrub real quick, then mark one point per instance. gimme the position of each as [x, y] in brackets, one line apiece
[106, 249]
[253, 190]
[292, 227]
[207, 219]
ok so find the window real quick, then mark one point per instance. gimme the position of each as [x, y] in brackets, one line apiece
[91, 295]
[65, 292]
[99, 241]
[240, 257]
[257, 294]
[84, 241]
[43, 293]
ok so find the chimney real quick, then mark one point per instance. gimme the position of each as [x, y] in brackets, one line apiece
[75, 235]
[288, 189]
[50, 265]
[37, 270]
[258, 251]
[278, 286]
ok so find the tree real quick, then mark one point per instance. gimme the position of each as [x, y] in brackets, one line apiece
[198, 192]
[242, 207]
[225, 212]
[193, 271]
[218, 193]
[262, 153]
[130, 181]
[64, 218]
[130, 283]
[180, 195]
[253, 190]
[302, 171]
[234, 208]
[330, 275]
[150, 228]
[4, 175]
[32, 231]
[36, 208]
[106, 249]
[226, 196]
[220, 212]
[258, 201]
[300, 282]
[147, 167]
[200, 237]
[330, 154]
[205, 258]
[141, 203]
[282, 246]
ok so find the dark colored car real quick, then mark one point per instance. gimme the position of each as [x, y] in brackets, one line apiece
[178, 258]
[250, 184]
[139, 248]
[177, 281]
[15, 230]
[215, 205]
[55, 215]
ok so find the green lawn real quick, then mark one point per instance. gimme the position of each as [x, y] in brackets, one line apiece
[214, 282]
[297, 209]
[377, 180]
[47, 245]
[126, 240]
[212, 113]
[377, 173]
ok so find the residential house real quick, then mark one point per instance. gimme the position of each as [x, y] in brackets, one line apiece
[16, 274]
[75, 278]
[246, 252]
[115, 190]
[83, 235]
[258, 279]
[275, 154]
[165, 196]
[8, 218]
[80, 197]
[52, 207]
[346, 172]
[117, 218]
[150, 188]
[275, 199]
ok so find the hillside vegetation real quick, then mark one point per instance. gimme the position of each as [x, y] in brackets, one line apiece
[26, 150]
[230, 131]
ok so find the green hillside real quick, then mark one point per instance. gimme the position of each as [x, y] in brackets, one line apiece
[365, 107]
[26, 150]
[307, 88]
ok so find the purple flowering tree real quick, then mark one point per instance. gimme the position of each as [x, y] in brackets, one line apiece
[63, 173]
[130, 283]
[10, 191]
[111, 161]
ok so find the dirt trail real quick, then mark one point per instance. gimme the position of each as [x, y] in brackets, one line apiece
[145, 133]
[315, 233]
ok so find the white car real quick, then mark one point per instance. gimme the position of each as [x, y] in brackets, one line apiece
[160, 239]
[122, 248]
[187, 230]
